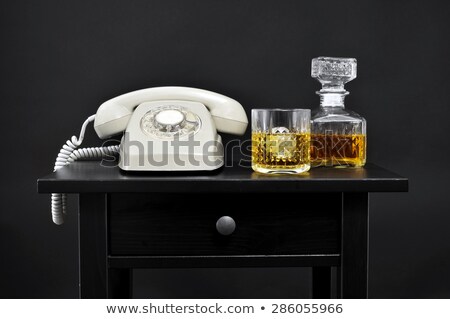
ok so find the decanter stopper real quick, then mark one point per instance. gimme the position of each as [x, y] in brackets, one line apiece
[333, 73]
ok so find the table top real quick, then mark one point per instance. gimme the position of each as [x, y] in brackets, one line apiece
[91, 177]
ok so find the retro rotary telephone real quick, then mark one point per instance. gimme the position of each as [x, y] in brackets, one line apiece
[152, 119]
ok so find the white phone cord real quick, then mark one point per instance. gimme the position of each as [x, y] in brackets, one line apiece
[69, 154]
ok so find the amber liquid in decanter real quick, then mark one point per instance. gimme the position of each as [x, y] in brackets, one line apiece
[338, 150]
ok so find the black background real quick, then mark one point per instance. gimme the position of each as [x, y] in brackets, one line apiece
[61, 59]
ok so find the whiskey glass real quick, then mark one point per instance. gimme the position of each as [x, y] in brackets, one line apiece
[281, 141]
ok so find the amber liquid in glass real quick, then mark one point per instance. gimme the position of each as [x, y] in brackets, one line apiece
[338, 150]
[280, 152]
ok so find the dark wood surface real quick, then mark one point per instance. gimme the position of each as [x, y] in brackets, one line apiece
[167, 220]
[185, 225]
[91, 177]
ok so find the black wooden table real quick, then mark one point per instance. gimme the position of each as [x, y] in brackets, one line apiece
[169, 220]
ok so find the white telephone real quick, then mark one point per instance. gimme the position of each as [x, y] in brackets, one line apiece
[166, 129]
[155, 118]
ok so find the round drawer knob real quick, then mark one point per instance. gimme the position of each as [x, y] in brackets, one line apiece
[225, 225]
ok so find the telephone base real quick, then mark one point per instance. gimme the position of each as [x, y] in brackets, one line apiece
[171, 135]
[185, 162]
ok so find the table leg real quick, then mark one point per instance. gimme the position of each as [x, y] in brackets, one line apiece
[321, 282]
[120, 283]
[354, 246]
[92, 245]
[96, 280]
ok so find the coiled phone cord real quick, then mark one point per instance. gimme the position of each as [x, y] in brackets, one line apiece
[69, 154]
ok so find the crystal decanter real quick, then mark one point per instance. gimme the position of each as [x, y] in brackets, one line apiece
[338, 135]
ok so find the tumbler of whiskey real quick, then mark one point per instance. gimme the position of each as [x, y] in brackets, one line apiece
[338, 135]
[281, 140]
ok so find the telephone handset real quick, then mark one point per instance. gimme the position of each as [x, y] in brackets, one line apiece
[112, 116]
[165, 129]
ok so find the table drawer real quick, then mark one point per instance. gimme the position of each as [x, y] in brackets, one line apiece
[185, 225]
